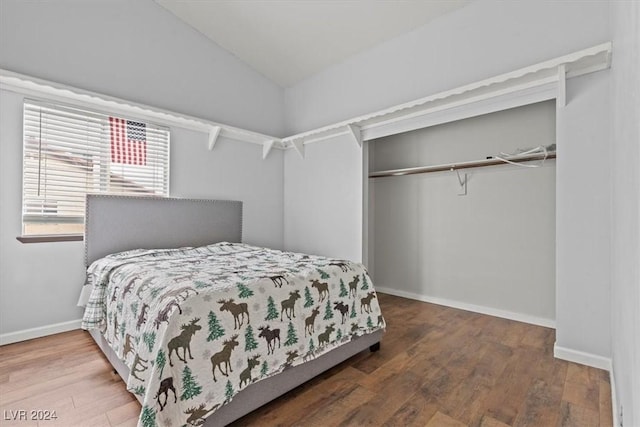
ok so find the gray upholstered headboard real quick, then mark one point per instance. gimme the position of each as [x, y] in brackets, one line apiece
[120, 223]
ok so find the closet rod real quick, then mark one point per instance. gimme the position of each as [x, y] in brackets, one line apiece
[463, 165]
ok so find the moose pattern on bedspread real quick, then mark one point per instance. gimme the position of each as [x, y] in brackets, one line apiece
[197, 325]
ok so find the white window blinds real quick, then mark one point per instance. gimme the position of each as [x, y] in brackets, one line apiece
[69, 152]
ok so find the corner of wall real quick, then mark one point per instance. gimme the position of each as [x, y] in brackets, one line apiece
[582, 357]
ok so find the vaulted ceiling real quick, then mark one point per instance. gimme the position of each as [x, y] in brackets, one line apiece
[288, 41]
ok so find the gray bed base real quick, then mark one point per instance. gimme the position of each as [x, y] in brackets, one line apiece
[264, 391]
[119, 223]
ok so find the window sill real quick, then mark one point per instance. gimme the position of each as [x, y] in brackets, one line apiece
[51, 238]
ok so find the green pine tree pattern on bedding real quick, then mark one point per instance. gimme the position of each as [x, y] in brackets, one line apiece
[197, 325]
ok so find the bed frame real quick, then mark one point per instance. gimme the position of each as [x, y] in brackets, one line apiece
[118, 223]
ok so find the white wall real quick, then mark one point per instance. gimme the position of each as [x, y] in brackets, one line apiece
[323, 216]
[493, 248]
[625, 207]
[39, 283]
[233, 170]
[483, 39]
[583, 219]
[137, 51]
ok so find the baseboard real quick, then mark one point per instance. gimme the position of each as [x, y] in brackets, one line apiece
[614, 398]
[595, 362]
[582, 358]
[525, 318]
[41, 331]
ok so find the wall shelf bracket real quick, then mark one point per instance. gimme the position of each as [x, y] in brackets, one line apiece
[355, 133]
[562, 86]
[298, 145]
[214, 132]
[266, 148]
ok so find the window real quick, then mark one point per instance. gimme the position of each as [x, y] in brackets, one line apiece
[69, 152]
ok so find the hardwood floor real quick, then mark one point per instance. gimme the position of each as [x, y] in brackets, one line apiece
[437, 366]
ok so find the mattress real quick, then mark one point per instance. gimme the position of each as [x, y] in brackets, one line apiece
[194, 326]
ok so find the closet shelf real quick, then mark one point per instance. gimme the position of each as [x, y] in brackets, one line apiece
[463, 165]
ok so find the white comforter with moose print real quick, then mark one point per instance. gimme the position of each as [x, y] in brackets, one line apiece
[197, 325]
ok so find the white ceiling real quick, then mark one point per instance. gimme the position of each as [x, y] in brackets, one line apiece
[289, 40]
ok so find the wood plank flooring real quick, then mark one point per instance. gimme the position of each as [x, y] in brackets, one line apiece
[437, 366]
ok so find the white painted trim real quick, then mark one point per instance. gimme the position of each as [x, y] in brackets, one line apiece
[614, 398]
[454, 113]
[581, 357]
[473, 100]
[525, 318]
[40, 331]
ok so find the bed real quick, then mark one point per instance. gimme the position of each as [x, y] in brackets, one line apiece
[203, 328]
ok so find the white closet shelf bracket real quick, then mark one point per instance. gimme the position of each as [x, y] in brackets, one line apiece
[298, 145]
[266, 148]
[561, 100]
[214, 132]
[355, 133]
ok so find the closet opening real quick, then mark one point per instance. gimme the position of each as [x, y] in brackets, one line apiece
[478, 236]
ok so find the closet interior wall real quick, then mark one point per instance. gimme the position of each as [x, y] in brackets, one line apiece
[492, 249]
